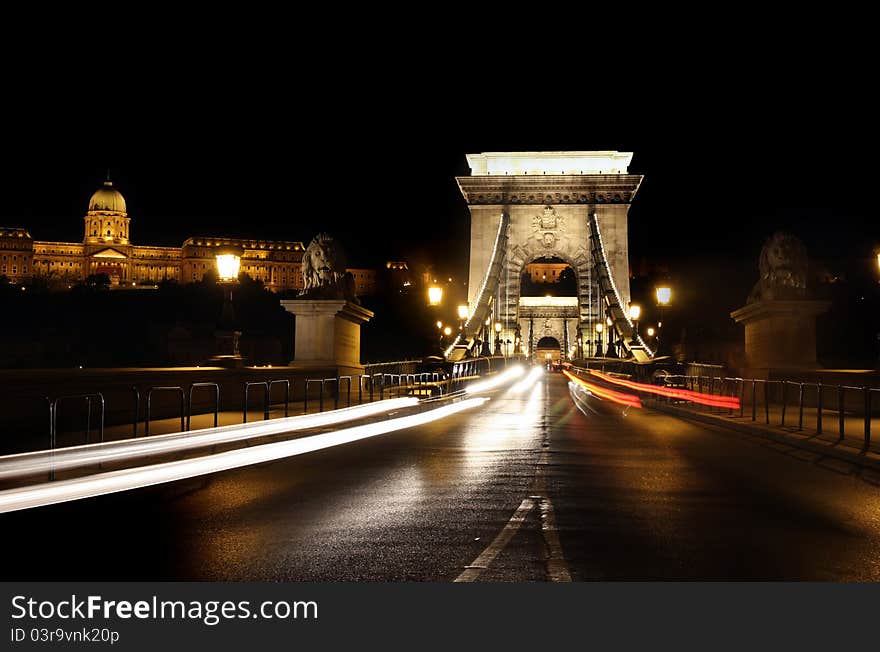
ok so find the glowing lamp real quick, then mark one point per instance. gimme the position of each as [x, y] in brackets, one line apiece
[497, 327]
[635, 311]
[462, 312]
[650, 332]
[608, 321]
[228, 263]
[435, 295]
[439, 325]
[664, 295]
[447, 331]
[599, 327]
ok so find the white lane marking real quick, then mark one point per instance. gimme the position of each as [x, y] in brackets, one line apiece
[124, 480]
[557, 569]
[481, 563]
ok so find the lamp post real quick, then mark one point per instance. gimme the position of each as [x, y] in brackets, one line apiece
[486, 350]
[635, 311]
[498, 338]
[599, 340]
[580, 342]
[228, 259]
[462, 317]
[664, 297]
[435, 298]
[444, 334]
[611, 351]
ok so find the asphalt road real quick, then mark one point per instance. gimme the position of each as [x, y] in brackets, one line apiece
[527, 487]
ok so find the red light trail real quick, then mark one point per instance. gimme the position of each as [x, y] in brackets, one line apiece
[630, 400]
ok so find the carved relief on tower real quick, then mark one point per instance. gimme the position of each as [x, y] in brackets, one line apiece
[548, 227]
[549, 220]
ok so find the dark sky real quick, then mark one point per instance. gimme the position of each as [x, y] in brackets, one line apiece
[728, 157]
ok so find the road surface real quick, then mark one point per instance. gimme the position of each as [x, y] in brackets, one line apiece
[526, 487]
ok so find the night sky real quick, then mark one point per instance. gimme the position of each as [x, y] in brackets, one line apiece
[726, 161]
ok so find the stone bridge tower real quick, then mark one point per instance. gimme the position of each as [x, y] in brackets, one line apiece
[528, 205]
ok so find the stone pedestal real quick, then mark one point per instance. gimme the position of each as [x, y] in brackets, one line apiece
[328, 333]
[781, 334]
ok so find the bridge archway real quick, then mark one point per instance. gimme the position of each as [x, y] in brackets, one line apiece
[548, 349]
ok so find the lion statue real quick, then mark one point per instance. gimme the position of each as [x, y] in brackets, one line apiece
[323, 271]
[783, 268]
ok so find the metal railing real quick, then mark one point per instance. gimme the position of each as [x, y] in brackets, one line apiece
[378, 382]
[216, 403]
[53, 415]
[785, 397]
[165, 388]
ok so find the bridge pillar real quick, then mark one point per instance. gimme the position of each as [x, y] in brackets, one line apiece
[328, 333]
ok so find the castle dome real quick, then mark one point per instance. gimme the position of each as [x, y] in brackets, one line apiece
[107, 198]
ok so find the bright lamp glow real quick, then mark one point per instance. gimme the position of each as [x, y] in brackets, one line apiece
[439, 325]
[634, 311]
[462, 312]
[599, 327]
[228, 266]
[608, 321]
[664, 295]
[447, 331]
[497, 326]
[435, 295]
[651, 332]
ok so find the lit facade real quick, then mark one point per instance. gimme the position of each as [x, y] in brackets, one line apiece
[545, 272]
[106, 248]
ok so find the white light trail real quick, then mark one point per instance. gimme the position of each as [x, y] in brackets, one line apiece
[495, 381]
[91, 454]
[531, 378]
[115, 481]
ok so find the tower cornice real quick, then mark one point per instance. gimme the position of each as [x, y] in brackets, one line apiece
[550, 189]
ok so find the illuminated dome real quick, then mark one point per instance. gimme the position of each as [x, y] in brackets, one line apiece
[107, 198]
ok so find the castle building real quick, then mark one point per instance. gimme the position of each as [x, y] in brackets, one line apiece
[540, 272]
[106, 248]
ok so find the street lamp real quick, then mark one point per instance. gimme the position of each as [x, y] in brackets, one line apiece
[462, 316]
[435, 295]
[610, 350]
[650, 331]
[635, 312]
[664, 297]
[498, 338]
[486, 349]
[599, 327]
[228, 260]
